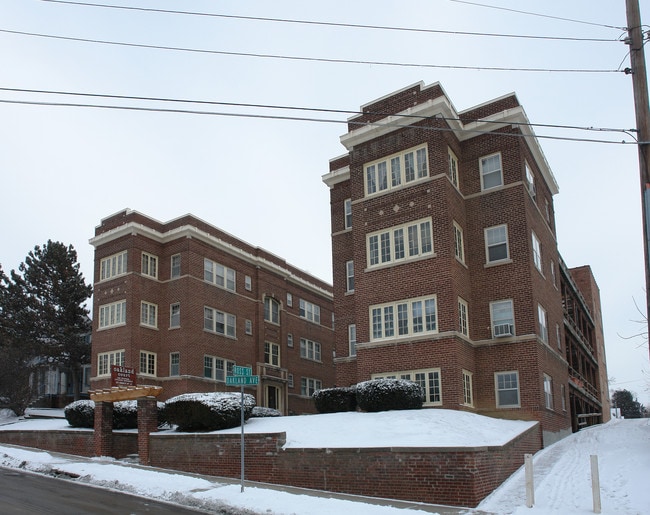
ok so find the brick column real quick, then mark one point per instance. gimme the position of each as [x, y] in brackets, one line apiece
[103, 445]
[147, 424]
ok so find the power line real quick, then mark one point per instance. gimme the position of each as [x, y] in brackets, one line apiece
[307, 59]
[331, 24]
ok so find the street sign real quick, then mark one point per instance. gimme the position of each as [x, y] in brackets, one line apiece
[242, 380]
[242, 371]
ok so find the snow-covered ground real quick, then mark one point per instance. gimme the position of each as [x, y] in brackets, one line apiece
[562, 471]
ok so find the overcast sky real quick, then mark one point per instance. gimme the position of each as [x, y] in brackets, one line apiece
[64, 168]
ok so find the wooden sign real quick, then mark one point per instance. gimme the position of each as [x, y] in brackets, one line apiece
[122, 376]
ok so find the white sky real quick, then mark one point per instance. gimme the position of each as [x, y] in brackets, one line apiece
[562, 475]
[62, 169]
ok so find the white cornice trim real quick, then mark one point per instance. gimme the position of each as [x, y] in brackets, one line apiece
[336, 176]
[189, 231]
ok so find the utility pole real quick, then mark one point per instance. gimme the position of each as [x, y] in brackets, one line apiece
[642, 109]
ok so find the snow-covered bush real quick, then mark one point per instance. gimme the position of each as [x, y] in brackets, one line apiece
[335, 400]
[125, 414]
[259, 411]
[207, 411]
[388, 394]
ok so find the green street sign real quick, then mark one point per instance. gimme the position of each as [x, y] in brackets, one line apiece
[242, 380]
[242, 371]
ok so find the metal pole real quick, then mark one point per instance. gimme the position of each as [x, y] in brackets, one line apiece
[242, 439]
[641, 107]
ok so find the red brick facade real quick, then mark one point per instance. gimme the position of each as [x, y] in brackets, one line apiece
[168, 340]
[474, 357]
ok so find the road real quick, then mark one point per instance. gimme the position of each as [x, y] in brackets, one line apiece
[23, 493]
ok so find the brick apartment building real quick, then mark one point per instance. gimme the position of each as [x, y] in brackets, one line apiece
[182, 302]
[446, 268]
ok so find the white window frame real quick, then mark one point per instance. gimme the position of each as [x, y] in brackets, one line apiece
[506, 386]
[271, 310]
[429, 380]
[148, 314]
[401, 319]
[496, 236]
[175, 314]
[563, 396]
[219, 368]
[400, 243]
[290, 380]
[289, 300]
[548, 391]
[352, 340]
[290, 340]
[349, 276]
[150, 265]
[219, 322]
[530, 181]
[272, 354]
[553, 278]
[468, 395]
[558, 337]
[219, 275]
[248, 283]
[542, 319]
[309, 385]
[499, 322]
[310, 350]
[347, 209]
[452, 161]
[496, 171]
[248, 326]
[106, 359]
[393, 171]
[175, 266]
[150, 363]
[112, 315]
[309, 311]
[459, 243]
[463, 317]
[113, 266]
[537, 251]
[174, 364]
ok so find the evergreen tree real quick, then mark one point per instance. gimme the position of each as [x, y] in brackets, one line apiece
[56, 291]
[630, 407]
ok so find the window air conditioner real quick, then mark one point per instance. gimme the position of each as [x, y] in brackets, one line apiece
[503, 330]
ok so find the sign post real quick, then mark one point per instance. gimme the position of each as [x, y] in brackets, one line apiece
[242, 376]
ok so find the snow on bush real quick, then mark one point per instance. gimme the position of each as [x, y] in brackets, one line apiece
[208, 411]
[335, 400]
[80, 413]
[388, 394]
[259, 411]
[125, 414]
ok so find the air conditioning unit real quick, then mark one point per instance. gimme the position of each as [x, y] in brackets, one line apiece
[500, 330]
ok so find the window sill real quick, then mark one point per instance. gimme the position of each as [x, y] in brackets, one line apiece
[497, 263]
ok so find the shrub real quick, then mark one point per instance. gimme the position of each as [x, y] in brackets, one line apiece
[388, 394]
[259, 412]
[335, 400]
[208, 411]
[125, 414]
[80, 413]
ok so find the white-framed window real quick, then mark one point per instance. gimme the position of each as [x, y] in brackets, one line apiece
[218, 274]
[463, 321]
[530, 181]
[175, 364]
[112, 266]
[491, 173]
[248, 326]
[271, 310]
[309, 385]
[428, 379]
[310, 311]
[453, 167]
[543, 323]
[547, 211]
[248, 283]
[289, 340]
[175, 315]
[218, 322]
[537, 252]
[400, 243]
[272, 354]
[468, 397]
[148, 314]
[347, 206]
[393, 171]
[563, 396]
[548, 391]
[112, 315]
[503, 318]
[289, 300]
[147, 363]
[459, 244]
[290, 380]
[507, 389]
[557, 336]
[106, 359]
[349, 276]
[310, 349]
[352, 339]
[149, 265]
[496, 243]
[217, 368]
[553, 279]
[404, 318]
[175, 263]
